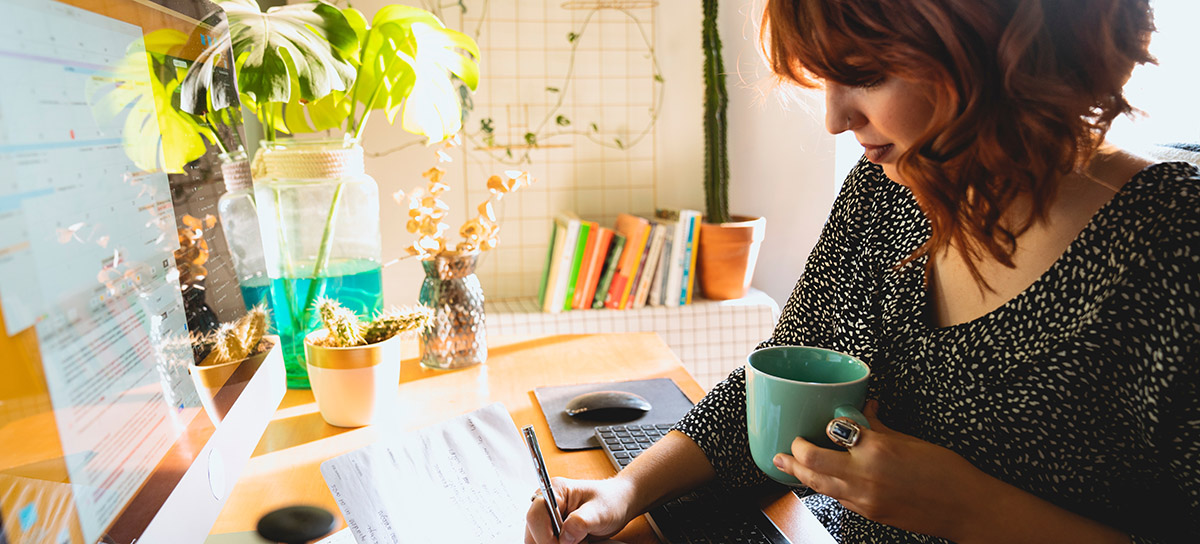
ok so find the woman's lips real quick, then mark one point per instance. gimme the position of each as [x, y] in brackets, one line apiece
[876, 153]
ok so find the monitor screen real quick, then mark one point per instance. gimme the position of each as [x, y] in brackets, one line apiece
[112, 260]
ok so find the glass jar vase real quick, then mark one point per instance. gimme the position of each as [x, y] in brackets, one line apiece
[456, 338]
[319, 214]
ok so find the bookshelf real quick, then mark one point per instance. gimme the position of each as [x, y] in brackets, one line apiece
[711, 337]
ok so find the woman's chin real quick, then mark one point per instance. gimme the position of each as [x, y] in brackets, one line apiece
[889, 169]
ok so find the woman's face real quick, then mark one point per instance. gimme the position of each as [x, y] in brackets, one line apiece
[886, 117]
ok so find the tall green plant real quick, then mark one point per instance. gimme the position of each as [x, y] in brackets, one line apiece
[716, 158]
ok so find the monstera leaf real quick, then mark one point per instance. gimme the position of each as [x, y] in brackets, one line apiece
[209, 85]
[327, 112]
[432, 107]
[137, 96]
[312, 41]
[408, 57]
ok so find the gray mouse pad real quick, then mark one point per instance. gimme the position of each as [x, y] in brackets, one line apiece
[667, 401]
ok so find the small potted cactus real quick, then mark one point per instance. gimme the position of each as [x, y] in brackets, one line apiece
[354, 365]
[227, 348]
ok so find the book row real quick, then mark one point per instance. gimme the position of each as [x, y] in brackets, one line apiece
[639, 261]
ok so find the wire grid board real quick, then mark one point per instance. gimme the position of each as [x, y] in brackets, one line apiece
[581, 77]
[710, 337]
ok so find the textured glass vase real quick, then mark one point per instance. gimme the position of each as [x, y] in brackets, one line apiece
[456, 338]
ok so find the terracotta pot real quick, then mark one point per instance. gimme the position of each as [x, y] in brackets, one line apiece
[728, 252]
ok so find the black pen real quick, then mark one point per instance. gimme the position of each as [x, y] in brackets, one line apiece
[539, 464]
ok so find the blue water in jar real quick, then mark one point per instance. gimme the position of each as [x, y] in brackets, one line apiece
[356, 284]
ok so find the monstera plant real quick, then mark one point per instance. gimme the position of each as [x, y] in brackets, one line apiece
[312, 67]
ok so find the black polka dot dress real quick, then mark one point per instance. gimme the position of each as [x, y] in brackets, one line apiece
[1082, 390]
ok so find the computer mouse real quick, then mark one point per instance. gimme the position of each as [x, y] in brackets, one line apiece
[608, 406]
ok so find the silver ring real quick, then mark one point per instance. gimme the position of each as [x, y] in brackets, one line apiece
[844, 432]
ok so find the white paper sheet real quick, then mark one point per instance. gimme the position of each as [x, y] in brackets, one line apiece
[467, 479]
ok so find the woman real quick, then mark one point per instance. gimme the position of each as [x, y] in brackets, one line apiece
[1025, 294]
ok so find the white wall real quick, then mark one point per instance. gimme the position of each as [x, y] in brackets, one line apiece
[781, 157]
[1164, 92]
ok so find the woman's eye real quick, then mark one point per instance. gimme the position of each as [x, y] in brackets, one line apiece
[871, 83]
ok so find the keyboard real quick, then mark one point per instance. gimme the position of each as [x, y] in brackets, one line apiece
[701, 517]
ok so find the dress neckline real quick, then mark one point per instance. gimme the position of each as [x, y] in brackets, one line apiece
[1051, 274]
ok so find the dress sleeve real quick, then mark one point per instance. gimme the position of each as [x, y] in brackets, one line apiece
[1177, 440]
[718, 422]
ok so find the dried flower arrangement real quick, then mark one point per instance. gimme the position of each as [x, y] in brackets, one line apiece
[427, 212]
[237, 340]
[347, 330]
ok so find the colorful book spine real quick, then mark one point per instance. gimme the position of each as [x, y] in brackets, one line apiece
[661, 273]
[675, 287]
[564, 258]
[649, 268]
[637, 276]
[585, 228]
[559, 239]
[611, 260]
[674, 272]
[594, 265]
[693, 249]
[546, 268]
[637, 233]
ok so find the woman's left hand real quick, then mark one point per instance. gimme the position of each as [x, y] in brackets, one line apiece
[893, 478]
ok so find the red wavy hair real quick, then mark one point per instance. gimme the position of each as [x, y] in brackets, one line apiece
[1025, 92]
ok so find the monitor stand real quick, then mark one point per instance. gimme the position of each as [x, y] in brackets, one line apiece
[193, 506]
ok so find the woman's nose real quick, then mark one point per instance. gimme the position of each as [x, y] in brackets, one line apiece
[840, 113]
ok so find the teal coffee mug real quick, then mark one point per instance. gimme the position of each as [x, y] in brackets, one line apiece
[795, 391]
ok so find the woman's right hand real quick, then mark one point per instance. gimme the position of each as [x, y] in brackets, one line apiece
[599, 508]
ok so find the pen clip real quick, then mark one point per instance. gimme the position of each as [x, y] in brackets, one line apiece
[539, 464]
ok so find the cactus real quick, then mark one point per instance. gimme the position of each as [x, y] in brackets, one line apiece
[345, 329]
[238, 340]
[252, 327]
[341, 322]
[229, 346]
[716, 101]
[396, 320]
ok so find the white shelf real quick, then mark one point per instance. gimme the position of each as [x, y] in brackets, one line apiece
[711, 337]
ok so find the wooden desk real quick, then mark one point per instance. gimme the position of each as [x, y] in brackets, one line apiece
[285, 468]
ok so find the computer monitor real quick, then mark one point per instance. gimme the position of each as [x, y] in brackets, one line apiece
[110, 260]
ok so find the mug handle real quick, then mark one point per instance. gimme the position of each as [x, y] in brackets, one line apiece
[847, 410]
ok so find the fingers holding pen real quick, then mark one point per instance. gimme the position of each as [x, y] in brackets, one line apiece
[538, 528]
[590, 508]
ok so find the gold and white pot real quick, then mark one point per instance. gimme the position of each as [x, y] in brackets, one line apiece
[354, 386]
